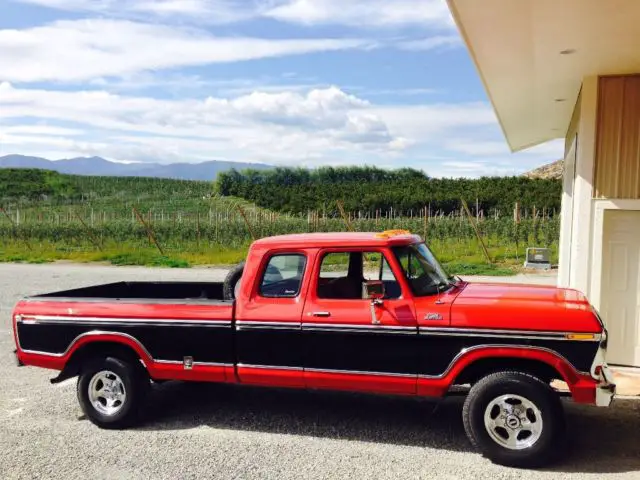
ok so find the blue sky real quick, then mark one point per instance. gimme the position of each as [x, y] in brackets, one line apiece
[286, 82]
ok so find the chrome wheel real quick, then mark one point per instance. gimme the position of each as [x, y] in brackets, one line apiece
[106, 392]
[513, 422]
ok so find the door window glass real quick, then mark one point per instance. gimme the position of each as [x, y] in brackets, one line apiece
[283, 276]
[342, 275]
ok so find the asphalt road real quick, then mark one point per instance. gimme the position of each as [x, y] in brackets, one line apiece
[227, 432]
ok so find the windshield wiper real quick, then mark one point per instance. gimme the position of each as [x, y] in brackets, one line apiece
[443, 286]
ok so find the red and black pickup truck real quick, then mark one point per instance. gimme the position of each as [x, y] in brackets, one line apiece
[371, 312]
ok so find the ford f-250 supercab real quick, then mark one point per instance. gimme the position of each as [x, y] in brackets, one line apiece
[369, 312]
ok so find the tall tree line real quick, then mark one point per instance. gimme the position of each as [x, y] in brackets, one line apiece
[298, 190]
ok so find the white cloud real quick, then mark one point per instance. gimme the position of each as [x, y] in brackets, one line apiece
[76, 50]
[435, 122]
[319, 108]
[353, 13]
[319, 126]
[362, 13]
[200, 11]
[38, 130]
[277, 126]
[431, 43]
[478, 147]
[216, 12]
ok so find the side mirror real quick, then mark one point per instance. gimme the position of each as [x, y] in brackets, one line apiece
[373, 290]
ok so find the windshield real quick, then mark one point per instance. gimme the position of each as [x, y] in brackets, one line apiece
[421, 269]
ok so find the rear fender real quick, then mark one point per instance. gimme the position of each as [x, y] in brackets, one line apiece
[89, 340]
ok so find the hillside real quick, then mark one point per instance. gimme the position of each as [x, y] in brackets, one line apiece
[551, 171]
[36, 185]
[205, 171]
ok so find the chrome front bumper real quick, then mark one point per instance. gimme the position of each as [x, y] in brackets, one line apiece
[606, 390]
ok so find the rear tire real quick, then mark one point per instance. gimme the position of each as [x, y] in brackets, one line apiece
[514, 419]
[111, 392]
[231, 281]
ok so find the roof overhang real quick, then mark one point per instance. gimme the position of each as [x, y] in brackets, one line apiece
[532, 56]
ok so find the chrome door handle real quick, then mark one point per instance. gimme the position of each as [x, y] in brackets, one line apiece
[320, 314]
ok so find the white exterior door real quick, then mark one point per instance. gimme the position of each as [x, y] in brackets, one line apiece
[621, 286]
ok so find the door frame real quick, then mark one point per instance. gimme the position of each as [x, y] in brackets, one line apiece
[361, 380]
[566, 214]
[597, 254]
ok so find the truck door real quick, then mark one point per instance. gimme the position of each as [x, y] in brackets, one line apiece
[268, 321]
[349, 345]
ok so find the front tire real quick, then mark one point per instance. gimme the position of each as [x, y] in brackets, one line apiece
[514, 419]
[111, 392]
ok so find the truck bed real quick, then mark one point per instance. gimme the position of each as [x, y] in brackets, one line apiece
[202, 291]
[168, 320]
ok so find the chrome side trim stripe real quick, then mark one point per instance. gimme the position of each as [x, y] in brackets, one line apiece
[269, 367]
[367, 326]
[127, 336]
[247, 325]
[359, 328]
[323, 370]
[344, 327]
[519, 334]
[130, 322]
[266, 324]
[465, 351]
[360, 372]
[195, 364]
[88, 334]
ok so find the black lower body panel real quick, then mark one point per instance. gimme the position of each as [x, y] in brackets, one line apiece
[163, 342]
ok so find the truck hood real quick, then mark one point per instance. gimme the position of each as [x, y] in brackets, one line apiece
[521, 292]
[527, 307]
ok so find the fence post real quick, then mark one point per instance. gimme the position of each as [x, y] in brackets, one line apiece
[246, 221]
[15, 228]
[92, 237]
[344, 215]
[152, 237]
[475, 228]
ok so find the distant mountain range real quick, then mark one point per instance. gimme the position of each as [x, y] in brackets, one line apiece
[100, 166]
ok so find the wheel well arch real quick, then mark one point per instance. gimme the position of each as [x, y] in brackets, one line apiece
[98, 349]
[482, 367]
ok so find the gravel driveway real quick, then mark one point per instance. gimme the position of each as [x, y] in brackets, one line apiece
[220, 431]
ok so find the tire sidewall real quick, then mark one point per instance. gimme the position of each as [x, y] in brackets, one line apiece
[543, 398]
[231, 280]
[133, 385]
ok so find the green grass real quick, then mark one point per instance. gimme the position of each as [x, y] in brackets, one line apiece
[467, 260]
[145, 258]
[456, 268]
[46, 252]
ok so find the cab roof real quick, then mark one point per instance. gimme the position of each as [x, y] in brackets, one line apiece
[341, 239]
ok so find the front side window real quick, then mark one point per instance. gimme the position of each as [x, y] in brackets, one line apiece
[283, 275]
[342, 275]
[421, 269]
